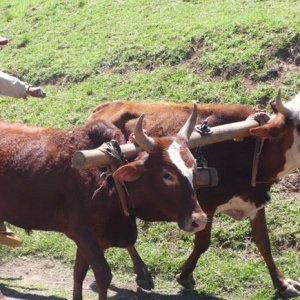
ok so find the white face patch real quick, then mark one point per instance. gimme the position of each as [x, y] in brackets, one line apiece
[294, 104]
[175, 157]
[292, 155]
[239, 209]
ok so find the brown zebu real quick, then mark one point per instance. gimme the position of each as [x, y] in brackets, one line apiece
[234, 195]
[39, 190]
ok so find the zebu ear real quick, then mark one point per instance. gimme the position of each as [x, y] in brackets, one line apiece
[261, 132]
[130, 172]
[273, 129]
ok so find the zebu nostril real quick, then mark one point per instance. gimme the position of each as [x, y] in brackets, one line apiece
[199, 221]
[194, 224]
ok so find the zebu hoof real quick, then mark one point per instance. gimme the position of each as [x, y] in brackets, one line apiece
[145, 280]
[292, 289]
[187, 283]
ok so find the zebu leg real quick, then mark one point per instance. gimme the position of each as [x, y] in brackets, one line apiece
[143, 279]
[90, 251]
[288, 288]
[201, 244]
[80, 269]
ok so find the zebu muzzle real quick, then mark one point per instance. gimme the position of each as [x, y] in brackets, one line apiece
[205, 177]
[196, 222]
[199, 221]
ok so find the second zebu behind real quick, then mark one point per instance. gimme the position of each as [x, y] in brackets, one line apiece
[234, 196]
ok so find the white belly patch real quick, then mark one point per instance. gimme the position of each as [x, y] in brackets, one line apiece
[239, 209]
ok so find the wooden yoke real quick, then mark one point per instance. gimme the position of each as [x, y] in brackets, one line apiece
[86, 159]
[235, 131]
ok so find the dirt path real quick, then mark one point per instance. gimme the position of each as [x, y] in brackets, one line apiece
[24, 279]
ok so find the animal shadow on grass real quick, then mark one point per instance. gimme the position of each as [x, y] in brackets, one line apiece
[30, 294]
[140, 294]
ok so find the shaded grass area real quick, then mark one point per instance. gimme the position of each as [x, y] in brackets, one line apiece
[232, 267]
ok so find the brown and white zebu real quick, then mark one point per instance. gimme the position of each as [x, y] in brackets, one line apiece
[39, 190]
[234, 195]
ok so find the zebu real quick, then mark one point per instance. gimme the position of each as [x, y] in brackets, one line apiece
[234, 196]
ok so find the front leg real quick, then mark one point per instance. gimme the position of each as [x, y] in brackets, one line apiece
[201, 244]
[143, 278]
[94, 257]
[288, 288]
[80, 269]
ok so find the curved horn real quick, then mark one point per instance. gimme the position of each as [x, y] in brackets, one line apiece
[280, 106]
[189, 125]
[144, 141]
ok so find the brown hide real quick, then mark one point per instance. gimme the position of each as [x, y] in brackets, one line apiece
[233, 160]
[162, 119]
[38, 187]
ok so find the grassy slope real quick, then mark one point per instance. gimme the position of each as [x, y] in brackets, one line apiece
[175, 50]
[84, 52]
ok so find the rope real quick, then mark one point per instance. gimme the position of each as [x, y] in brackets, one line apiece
[113, 150]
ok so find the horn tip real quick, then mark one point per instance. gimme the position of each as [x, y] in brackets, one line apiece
[278, 96]
[140, 119]
[142, 116]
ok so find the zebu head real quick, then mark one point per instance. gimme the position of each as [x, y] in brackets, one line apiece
[160, 179]
[284, 125]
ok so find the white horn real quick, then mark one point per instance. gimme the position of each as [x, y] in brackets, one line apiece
[143, 140]
[189, 125]
[280, 106]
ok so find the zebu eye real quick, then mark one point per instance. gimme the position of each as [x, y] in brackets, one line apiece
[167, 176]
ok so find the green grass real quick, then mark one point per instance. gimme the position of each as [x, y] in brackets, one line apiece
[176, 50]
[86, 52]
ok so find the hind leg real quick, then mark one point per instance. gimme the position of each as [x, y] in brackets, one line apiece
[288, 288]
[93, 256]
[80, 269]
